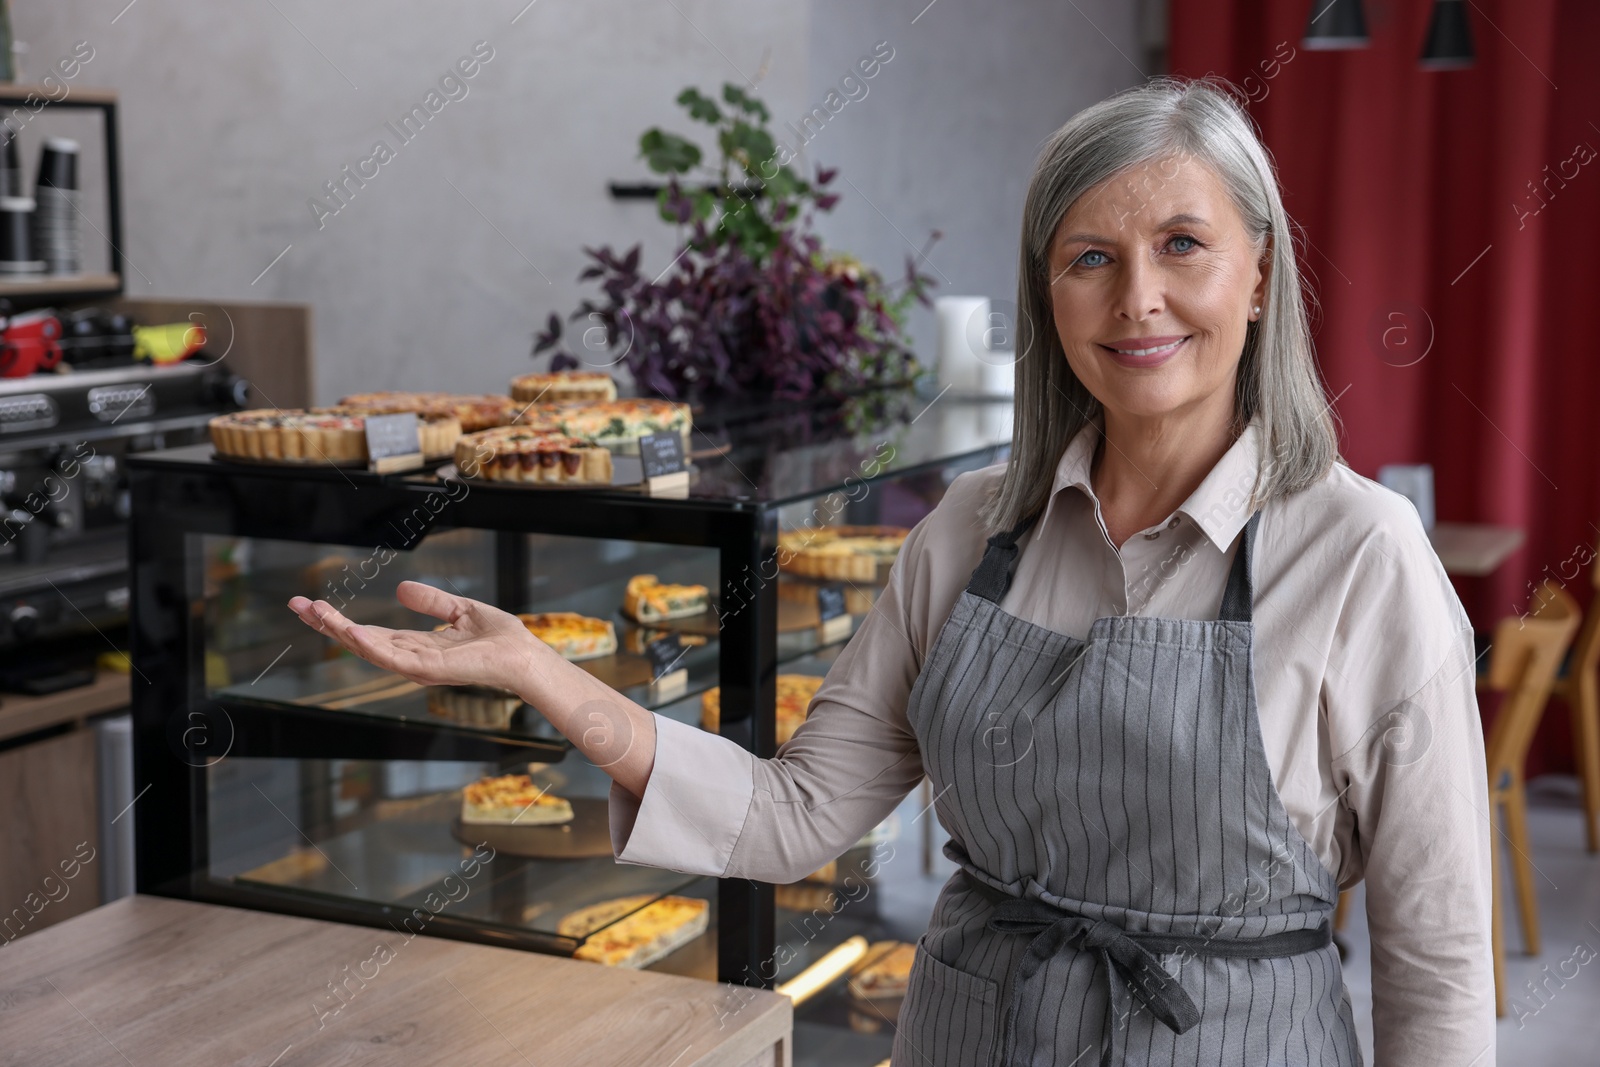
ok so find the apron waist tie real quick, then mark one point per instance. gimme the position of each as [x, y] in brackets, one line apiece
[1129, 960]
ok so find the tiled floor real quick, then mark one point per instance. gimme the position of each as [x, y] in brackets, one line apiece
[1563, 1029]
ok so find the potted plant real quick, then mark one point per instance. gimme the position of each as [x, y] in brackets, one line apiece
[753, 307]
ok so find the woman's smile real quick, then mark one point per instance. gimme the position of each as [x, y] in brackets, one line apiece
[1144, 352]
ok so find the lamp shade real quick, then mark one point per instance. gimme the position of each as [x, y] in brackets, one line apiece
[1335, 24]
[1449, 43]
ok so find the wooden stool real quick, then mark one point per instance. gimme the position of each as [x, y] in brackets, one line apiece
[1579, 687]
[1523, 662]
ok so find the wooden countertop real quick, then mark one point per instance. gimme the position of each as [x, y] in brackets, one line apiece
[24, 714]
[147, 980]
[1473, 549]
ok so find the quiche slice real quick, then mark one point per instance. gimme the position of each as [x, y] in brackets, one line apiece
[574, 636]
[647, 600]
[563, 385]
[794, 699]
[474, 412]
[526, 454]
[614, 424]
[840, 552]
[512, 798]
[635, 932]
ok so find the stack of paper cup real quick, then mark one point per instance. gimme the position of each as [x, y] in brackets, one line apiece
[56, 235]
[963, 322]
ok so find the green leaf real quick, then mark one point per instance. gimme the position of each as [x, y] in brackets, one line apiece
[701, 108]
[750, 145]
[667, 153]
[736, 96]
[702, 204]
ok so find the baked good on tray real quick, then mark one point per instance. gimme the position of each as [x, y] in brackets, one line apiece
[877, 986]
[474, 411]
[475, 705]
[525, 454]
[647, 600]
[334, 436]
[839, 552]
[633, 931]
[512, 798]
[574, 636]
[794, 698]
[615, 424]
[563, 385]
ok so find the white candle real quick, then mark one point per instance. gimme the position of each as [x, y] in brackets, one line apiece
[963, 322]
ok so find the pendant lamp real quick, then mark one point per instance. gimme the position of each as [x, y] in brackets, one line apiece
[1449, 44]
[1336, 24]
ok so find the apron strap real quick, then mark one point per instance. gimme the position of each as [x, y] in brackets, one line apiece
[1238, 598]
[992, 576]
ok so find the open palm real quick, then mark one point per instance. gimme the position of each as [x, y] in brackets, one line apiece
[482, 645]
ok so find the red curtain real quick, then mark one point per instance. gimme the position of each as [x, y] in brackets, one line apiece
[1455, 214]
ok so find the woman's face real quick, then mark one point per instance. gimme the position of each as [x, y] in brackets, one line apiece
[1153, 278]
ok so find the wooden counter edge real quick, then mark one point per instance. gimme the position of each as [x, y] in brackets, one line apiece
[21, 715]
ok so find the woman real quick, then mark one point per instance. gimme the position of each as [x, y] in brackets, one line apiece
[1176, 673]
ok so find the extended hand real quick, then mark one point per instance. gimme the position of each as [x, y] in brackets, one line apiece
[482, 645]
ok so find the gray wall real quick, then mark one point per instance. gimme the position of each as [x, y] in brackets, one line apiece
[234, 118]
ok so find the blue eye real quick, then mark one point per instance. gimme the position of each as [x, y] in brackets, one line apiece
[1185, 237]
[1083, 259]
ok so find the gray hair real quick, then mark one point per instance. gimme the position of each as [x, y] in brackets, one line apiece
[1277, 379]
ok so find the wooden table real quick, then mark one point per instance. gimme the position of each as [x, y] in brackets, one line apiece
[148, 981]
[1473, 549]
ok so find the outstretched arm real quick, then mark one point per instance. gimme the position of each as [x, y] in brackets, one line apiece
[482, 645]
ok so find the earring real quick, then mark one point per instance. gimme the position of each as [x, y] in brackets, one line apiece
[1256, 310]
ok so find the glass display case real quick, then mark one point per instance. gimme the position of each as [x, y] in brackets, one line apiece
[280, 773]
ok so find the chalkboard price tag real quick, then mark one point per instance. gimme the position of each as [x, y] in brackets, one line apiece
[668, 675]
[393, 443]
[666, 468]
[830, 601]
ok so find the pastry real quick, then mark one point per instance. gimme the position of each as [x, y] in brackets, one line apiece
[858, 600]
[802, 897]
[563, 385]
[523, 454]
[616, 424]
[474, 412]
[794, 698]
[335, 436]
[840, 552]
[512, 798]
[634, 931]
[475, 705]
[647, 600]
[877, 988]
[574, 636]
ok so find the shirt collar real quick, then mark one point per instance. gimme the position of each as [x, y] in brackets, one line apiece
[1220, 505]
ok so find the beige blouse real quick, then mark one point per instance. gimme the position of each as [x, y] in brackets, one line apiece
[1364, 673]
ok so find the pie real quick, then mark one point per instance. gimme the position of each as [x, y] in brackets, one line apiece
[633, 931]
[647, 600]
[335, 436]
[512, 798]
[574, 636]
[616, 424]
[794, 698]
[476, 705]
[474, 412]
[858, 600]
[563, 385]
[524, 454]
[840, 552]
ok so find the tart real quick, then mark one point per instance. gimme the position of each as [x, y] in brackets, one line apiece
[634, 932]
[794, 699]
[850, 553]
[563, 385]
[615, 424]
[512, 798]
[475, 705]
[335, 436]
[474, 412]
[858, 600]
[574, 636]
[523, 454]
[647, 600]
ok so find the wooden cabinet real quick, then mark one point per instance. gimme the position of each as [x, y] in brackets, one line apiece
[51, 838]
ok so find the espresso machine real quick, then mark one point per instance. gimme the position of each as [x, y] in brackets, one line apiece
[64, 438]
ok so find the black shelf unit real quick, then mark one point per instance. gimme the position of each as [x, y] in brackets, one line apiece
[746, 475]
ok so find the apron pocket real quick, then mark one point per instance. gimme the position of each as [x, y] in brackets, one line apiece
[949, 1017]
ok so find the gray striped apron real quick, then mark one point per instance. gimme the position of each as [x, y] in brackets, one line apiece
[1131, 889]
